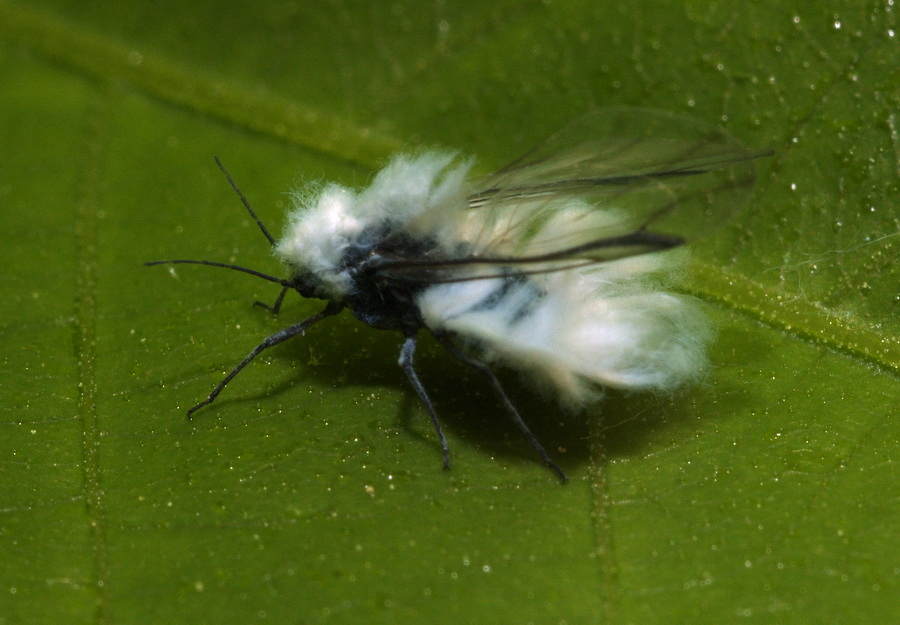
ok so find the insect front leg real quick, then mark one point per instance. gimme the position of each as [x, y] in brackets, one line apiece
[275, 339]
[276, 307]
[406, 362]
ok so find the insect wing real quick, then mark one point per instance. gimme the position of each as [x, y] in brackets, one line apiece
[657, 170]
[615, 183]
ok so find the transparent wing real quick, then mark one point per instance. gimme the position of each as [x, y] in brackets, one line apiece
[616, 183]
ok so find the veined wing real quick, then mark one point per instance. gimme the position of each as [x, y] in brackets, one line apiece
[616, 183]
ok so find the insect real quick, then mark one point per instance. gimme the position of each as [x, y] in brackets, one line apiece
[550, 266]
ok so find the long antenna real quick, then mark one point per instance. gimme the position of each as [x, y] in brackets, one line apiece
[259, 222]
[212, 263]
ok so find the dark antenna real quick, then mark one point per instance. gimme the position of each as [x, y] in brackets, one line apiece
[259, 222]
[212, 263]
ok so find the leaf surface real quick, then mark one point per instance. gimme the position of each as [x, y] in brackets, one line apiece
[311, 491]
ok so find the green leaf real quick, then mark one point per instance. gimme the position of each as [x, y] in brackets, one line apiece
[311, 491]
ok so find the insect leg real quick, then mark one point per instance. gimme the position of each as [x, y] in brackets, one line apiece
[406, 361]
[504, 399]
[275, 339]
[276, 307]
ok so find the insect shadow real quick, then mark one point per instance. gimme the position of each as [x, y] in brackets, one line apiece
[469, 409]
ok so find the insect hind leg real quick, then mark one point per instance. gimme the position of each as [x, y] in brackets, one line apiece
[406, 362]
[485, 370]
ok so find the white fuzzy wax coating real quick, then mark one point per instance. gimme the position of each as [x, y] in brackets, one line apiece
[577, 330]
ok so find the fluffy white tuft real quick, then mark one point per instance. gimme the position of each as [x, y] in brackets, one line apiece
[577, 330]
[322, 226]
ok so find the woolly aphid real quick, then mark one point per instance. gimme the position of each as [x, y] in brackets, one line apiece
[550, 266]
